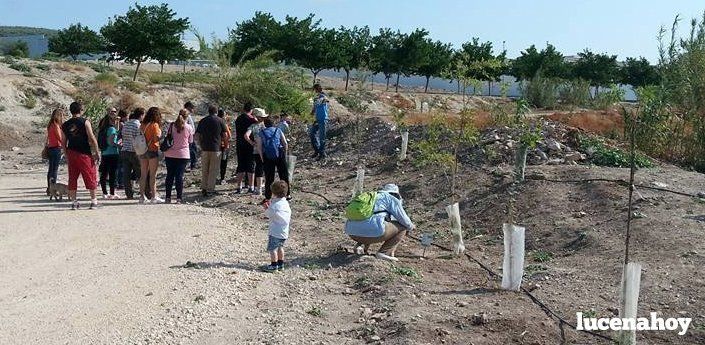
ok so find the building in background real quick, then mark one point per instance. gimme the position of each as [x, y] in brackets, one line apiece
[38, 44]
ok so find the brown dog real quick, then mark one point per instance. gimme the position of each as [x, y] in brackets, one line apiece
[57, 190]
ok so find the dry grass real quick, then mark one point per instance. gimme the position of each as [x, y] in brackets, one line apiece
[127, 101]
[69, 67]
[606, 123]
[481, 119]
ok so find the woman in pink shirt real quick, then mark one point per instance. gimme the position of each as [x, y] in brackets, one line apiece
[178, 156]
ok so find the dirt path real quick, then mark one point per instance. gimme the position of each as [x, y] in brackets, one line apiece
[117, 275]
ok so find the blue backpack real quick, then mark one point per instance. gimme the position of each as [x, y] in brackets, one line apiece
[271, 142]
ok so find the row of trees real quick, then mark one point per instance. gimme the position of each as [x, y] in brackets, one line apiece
[153, 32]
[144, 32]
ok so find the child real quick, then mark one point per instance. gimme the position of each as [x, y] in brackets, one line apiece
[279, 215]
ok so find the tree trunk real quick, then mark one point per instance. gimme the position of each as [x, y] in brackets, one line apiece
[425, 89]
[139, 62]
[458, 86]
[396, 87]
[162, 68]
[489, 88]
[597, 91]
[315, 74]
[347, 78]
[388, 77]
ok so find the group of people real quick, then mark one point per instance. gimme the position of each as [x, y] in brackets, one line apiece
[127, 147]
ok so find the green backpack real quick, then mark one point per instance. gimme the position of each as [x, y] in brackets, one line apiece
[361, 207]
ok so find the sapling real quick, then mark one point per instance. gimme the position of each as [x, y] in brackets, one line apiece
[290, 165]
[529, 138]
[455, 228]
[629, 298]
[399, 117]
[513, 265]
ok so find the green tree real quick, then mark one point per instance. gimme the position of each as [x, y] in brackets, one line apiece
[18, 49]
[476, 61]
[144, 32]
[409, 53]
[76, 40]
[321, 52]
[303, 40]
[353, 45]
[383, 53]
[254, 37]
[437, 58]
[598, 69]
[638, 73]
[548, 62]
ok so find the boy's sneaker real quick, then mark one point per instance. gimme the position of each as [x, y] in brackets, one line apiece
[383, 256]
[75, 205]
[272, 268]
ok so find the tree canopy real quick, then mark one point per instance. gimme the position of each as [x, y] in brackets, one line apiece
[146, 32]
[76, 40]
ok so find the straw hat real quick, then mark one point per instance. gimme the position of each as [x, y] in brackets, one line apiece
[259, 112]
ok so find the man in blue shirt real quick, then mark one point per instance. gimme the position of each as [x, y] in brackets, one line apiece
[319, 127]
[388, 224]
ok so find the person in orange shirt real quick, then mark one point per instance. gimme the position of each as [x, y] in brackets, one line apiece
[224, 145]
[149, 162]
[53, 144]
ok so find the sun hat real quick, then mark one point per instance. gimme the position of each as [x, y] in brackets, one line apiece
[259, 112]
[391, 188]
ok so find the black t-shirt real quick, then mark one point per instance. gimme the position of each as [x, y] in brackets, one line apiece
[242, 124]
[210, 130]
[76, 136]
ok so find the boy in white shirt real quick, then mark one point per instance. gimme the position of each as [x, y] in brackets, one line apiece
[279, 214]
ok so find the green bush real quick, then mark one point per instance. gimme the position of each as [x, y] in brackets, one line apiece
[608, 98]
[575, 93]
[18, 66]
[541, 92]
[193, 77]
[603, 155]
[29, 102]
[94, 108]
[18, 49]
[99, 67]
[265, 84]
[7, 60]
[133, 86]
[42, 67]
[107, 78]
[353, 102]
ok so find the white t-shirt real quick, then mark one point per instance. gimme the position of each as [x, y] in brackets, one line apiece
[279, 214]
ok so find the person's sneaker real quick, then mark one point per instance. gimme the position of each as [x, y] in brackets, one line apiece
[75, 205]
[271, 268]
[280, 267]
[117, 196]
[383, 256]
[204, 193]
[157, 200]
[359, 250]
[179, 201]
[94, 204]
[106, 197]
[288, 198]
[238, 190]
[167, 200]
[142, 200]
[252, 190]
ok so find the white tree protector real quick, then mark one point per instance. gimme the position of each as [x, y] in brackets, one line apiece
[359, 182]
[513, 265]
[290, 164]
[455, 228]
[404, 144]
[629, 299]
[520, 164]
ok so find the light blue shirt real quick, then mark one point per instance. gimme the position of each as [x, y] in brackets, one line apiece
[385, 205]
[320, 106]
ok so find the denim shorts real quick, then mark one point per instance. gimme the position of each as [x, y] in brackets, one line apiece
[275, 243]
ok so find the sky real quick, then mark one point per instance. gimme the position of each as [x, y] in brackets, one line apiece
[626, 28]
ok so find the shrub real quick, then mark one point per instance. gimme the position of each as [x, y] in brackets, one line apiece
[127, 101]
[608, 98]
[353, 102]
[29, 101]
[42, 67]
[602, 155]
[107, 78]
[94, 107]
[7, 60]
[133, 86]
[575, 93]
[18, 66]
[18, 49]
[99, 67]
[541, 92]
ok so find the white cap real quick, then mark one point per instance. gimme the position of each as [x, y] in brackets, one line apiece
[259, 112]
[391, 188]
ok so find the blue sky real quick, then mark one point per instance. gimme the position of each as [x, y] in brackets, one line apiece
[621, 27]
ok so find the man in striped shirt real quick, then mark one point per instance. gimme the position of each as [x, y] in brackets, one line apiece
[130, 161]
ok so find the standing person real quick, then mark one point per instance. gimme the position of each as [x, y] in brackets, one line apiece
[388, 224]
[81, 150]
[193, 150]
[149, 161]
[320, 126]
[272, 146]
[210, 133]
[243, 149]
[130, 161]
[110, 152]
[224, 146]
[122, 114]
[251, 137]
[279, 214]
[177, 157]
[54, 142]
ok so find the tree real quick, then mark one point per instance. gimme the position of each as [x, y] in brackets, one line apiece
[76, 40]
[321, 52]
[548, 62]
[302, 40]
[409, 53]
[436, 59]
[353, 45]
[18, 49]
[383, 53]
[638, 73]
[476, 61]
[255, 36]
[144, 32]
[598, 69]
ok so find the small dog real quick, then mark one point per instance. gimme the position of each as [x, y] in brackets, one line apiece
[57, 190]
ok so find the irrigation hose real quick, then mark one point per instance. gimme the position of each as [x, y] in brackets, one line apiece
[533, 298]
